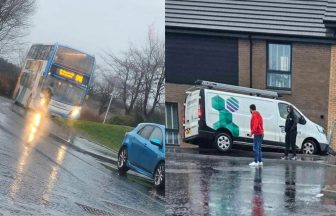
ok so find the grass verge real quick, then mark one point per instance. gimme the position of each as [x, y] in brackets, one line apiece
[108, 135]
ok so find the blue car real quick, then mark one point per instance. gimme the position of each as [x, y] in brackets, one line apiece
[143, 150]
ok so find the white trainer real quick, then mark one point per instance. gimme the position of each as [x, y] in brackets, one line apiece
[253, 164]
[260, 164]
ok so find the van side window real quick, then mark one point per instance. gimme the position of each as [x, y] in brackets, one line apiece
[297, 113]
[283, 110]
[145, 131]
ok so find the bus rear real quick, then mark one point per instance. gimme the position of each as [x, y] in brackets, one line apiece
[32, 74]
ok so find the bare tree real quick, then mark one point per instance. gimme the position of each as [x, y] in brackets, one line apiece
[130, 77]
[152, 64]
[140, 72]
[14, 21]
[20, 56]
[102, 89]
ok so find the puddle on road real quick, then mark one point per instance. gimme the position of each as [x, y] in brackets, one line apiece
[141, 182]
[231, 188]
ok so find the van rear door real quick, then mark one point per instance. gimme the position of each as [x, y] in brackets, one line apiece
[191, 114]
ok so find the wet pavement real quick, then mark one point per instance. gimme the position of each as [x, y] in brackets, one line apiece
[228, 186]
[42, 176]
[242, 151]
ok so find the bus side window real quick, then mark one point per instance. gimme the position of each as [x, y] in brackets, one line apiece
[40, 82]
[28, 64]
[22, 81]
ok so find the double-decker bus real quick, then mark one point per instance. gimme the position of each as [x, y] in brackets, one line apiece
[66, 71]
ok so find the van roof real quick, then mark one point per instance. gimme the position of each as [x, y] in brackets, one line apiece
[246, 95]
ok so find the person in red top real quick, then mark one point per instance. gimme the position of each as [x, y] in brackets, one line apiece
[257, 131]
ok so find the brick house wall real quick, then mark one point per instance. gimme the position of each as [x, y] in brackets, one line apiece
[175, 93]
[310, 75]
[311, 72]
[244, 62]
[311, 66]
[332, 97]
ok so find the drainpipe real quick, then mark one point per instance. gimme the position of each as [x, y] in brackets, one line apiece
[251, 55]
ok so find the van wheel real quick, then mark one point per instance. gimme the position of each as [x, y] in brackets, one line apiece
[122, 160]
[223, 142]
[309, 147]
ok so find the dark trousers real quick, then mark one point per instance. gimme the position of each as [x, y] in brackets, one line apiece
[257, 141]
[291, 142]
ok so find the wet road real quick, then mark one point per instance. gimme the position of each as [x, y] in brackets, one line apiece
[40, 176]
[243, 151]
[231, 187]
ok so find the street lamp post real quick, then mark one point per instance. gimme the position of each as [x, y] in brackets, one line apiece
[108, 108]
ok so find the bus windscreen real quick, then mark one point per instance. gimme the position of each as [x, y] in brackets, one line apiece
[75, 60]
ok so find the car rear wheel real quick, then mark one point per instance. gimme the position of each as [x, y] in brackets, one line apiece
[122, 160]
[159, 175]
[309, 147]
[223, 142]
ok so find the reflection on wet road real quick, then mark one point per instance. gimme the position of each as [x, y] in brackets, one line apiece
[231, 187]
[39, 175]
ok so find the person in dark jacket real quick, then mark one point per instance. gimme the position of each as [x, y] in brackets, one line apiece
[291, 132]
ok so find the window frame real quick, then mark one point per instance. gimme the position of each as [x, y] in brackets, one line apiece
[158, 128]
[173, 130]
[149, 134]
[269, 71]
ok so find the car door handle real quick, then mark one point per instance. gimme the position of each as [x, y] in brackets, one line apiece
[282, 128]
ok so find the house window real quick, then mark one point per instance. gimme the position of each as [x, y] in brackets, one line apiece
[279, 75]
[172, 124]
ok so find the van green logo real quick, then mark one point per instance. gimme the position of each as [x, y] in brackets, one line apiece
[225, 114]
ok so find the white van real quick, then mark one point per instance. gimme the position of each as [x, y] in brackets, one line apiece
[221, 119]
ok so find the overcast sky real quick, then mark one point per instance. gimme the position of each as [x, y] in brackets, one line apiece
[96, 25]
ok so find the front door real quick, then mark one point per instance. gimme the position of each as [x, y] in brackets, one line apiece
[151, 151]
[282, 122]
[139, 142]
[282, 107]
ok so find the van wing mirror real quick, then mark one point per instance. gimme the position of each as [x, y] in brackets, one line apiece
[302, 120]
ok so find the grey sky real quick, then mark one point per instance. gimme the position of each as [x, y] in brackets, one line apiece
[96, 25]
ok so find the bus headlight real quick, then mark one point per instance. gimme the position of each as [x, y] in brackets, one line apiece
[37, 119]
[42, 101]
[75, 113]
